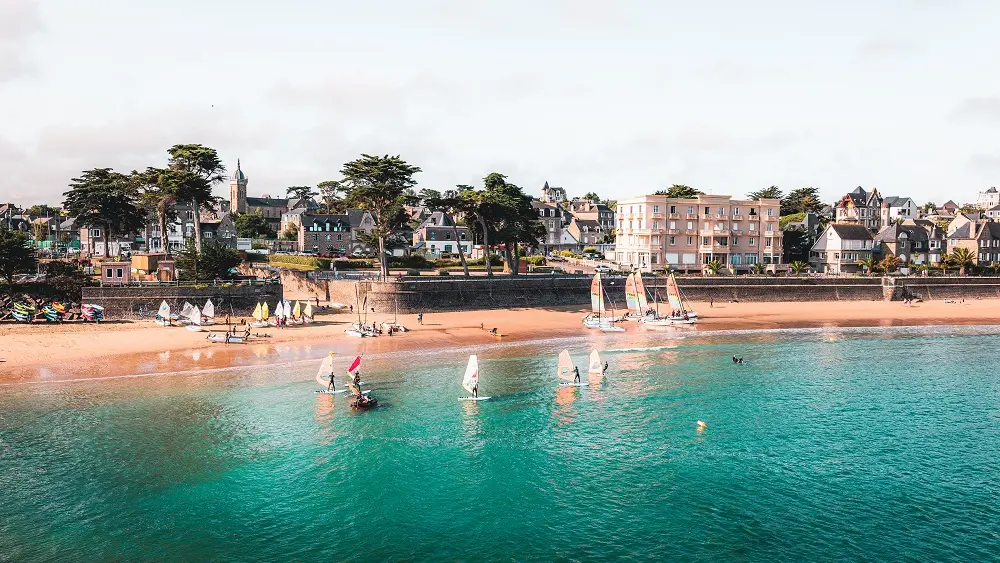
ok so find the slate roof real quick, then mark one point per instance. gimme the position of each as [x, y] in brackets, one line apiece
[437, 219]
[355, 216]
[992, 190]
[992, 229]
[851, 232]
[966, 231]
[266, 202]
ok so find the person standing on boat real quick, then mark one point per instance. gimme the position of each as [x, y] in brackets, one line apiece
[576, 374]
[475, 389]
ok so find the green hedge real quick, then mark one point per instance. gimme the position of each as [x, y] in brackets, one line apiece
[308, 261]
[535, 260]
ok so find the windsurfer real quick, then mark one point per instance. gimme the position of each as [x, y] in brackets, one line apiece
[357, 380]
[576, 374]
[604, 369]
[475, 389]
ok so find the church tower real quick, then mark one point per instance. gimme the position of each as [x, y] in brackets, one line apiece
[238, 191]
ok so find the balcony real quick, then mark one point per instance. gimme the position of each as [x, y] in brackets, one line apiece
[736, 232]
[674, 215]
[738, 216]
[772, 233]
[690, 232]
[691, 215]
[771, 218]
[673, 231]
[657, 215]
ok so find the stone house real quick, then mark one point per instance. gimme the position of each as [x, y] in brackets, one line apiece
[220, 228]
[840, 247]
[919, 243]
[988, 244]
[860, 207]
[436, 236]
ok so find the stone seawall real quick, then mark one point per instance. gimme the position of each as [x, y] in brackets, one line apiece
[133, 302]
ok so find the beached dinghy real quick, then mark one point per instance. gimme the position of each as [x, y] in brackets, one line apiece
[221, 338]
[471, 380]
[208, 313]
[260, 315]
[680, 314]
[163, 315]
[307, 314]
[92, 313]
[194, 320]
[567, 371]
[599, 317]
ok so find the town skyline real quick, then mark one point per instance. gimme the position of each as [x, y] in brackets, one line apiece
[587, 96]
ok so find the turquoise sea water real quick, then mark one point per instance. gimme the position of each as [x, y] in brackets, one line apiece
[826, 446]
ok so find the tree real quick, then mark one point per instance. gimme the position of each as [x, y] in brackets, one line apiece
[428, 194]
[798, 266]
[890, 263]
[592, 196]
[713, 267]
[66, 279]
[680, 191]
[104, 198]
[772, 192]
[300, 192]
[961, 258]
[291, 232]
[253, 225]
[802, 200]
[158, 187]
[757, 269]
[868, 265]
[41, 210]
[199, 169]
[16, 255]
[214, 261]
[331, 191]
[378, 184]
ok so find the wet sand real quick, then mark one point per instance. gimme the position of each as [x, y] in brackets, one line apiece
[42, 352]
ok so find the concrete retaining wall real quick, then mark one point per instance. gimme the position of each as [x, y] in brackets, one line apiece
[133, 302]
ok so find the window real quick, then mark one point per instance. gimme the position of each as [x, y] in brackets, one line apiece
[652, 258]
[119, 273]
[329, 238]
[691, 209]
[208, 234]
[753, 227]
[673, 209]
[690, 240]
[749, 259]
[770, 212]
[722, 211]
[656, 225]
[704, 240]
[736, 240]
[447, 248]
[673, 241]
[107, 273]
[315, 237]
[654, 239]
[656, 209]
[751, 241]
[340, 238]
[690, 225]
[767, 243]
[770, 227]
[723, 241]
[736, 211]
[673, 225]
[708, 211]
[95, 233]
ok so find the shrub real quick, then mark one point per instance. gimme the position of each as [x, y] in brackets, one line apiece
[538, 260]
[411, 261]
[256, 257]
[307, 261]
[412, 272]
[444, 273]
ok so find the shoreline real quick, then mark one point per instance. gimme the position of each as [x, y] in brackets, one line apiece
[48, 353]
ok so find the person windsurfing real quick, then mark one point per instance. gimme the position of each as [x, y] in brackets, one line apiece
[576, 374]
[604, 369]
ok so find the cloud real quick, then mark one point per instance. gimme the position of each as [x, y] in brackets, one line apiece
[19, 21]
[978, 109]
[985, 162]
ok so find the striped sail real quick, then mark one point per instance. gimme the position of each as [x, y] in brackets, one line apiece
[640, 293]
[565, 369]
[674, 294]
[471, 379]
[631, 297]
[597, 295]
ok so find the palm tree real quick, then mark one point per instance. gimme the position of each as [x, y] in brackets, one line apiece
[798, 266]
[758, 269]
[868, 264]
[961, 257]
[713, 267]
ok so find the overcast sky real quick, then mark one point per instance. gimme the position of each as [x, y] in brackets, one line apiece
[621, 97]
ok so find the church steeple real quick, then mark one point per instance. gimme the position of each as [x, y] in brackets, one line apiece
[238, 191]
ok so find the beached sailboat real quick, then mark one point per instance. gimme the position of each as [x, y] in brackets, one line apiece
[598, 318]
[163, 314]
[260, 315]
[640, 294]
[680, 313]
[307, 313]
[360, 328]
[185, 315]
[567, 371]
[208, 313]
[194, 319]
[221, 338]
[93, 313]
[632, 298]
[471, 380]
[296, 316]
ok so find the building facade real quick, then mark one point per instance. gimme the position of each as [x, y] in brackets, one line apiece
[654, 232]
[860, 207]
[841, 248]
[988, 198]
[898, 208]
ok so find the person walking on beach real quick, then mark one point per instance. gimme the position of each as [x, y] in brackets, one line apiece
[420, 318]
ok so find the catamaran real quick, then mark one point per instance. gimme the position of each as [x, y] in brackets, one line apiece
[471, 380]
[680, 313]
[194, 319]
[208, 313]
[163, 315]
[598, 317]
[568, 372]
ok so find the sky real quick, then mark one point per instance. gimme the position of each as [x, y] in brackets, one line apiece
[621, 98]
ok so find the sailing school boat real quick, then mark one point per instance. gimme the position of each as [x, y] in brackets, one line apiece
[635, 298]
[471, 380]
[260, 315]
[680, 312]
[163, 315]
[208, 313]
[599, 318]
[567, 372]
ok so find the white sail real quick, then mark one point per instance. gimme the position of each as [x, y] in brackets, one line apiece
[596, 366]
[278, 310]
[565, 369]
[325, 369]
[186, 310]
[209, 310]
[164, 311]
[287, 310]
[471, 374]
[195, 315]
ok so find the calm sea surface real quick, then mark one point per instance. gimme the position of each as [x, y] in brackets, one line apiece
[825, 446]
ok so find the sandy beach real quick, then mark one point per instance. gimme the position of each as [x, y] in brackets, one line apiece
[42, 352]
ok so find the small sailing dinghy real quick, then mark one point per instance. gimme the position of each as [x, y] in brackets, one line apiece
[260, 314]
[567, 371]
[221, 338]
[599, 318]
[307, 314]
[296, 316]
[194, 319]
[208, 313]
[163, 314]
[680, 314]
[185, 316]
[471, 380]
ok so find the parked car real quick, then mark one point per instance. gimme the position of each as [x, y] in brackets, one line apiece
[602, 269]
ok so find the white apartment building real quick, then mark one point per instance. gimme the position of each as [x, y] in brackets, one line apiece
[988, 198]
[654, 232]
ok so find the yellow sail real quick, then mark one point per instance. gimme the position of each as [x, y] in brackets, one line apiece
[309, 310]
[297, 311]
[265, 312]
[258, 313]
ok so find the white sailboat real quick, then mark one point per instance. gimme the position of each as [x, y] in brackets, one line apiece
[208, 313]
[194, 319]
[566, 371]
[163, 314]
[279, 310]
[185, 316]
[471, 380]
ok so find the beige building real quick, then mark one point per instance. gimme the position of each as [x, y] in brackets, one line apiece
[657, 233]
